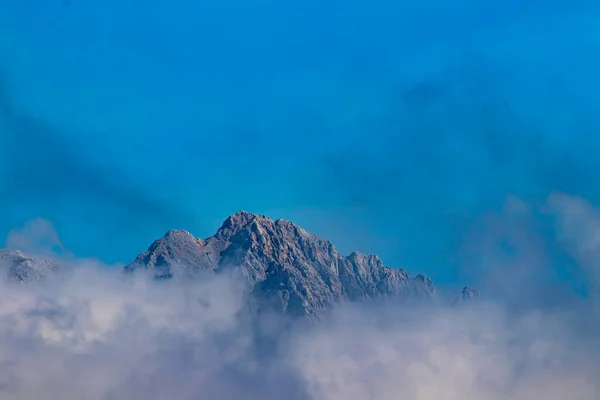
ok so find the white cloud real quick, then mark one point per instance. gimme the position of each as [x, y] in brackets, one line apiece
[96, 334]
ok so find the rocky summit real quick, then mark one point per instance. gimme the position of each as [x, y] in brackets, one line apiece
[288, 268]
[468, 294]
[21, 267]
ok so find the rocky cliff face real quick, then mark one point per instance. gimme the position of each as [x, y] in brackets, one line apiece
[20, 267]
[288, 268]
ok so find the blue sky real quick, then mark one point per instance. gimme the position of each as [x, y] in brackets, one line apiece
[388, 127]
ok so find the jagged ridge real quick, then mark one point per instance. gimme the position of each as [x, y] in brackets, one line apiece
[291, 269]
[287, 268]
[467, 294]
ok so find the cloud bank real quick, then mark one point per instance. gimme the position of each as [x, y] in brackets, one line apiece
[92, 333]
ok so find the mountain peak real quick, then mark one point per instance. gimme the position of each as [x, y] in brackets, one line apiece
[178, 233]
[243, 217]
[21, 267]
[286, 267]
[468, 294]
[176, 248]
[236, 221]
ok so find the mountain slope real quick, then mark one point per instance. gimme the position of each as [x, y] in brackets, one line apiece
[21, 267]
[289, 269]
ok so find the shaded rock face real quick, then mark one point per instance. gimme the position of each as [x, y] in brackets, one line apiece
[20, 267]
[289, 269]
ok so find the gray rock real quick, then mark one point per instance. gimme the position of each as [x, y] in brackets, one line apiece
[288, 268]
[467, 295]
[22, 267]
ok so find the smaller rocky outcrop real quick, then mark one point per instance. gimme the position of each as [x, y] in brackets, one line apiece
[21, 267]
[468, 295]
